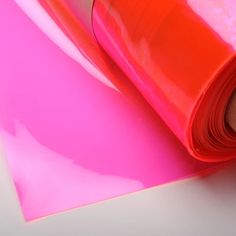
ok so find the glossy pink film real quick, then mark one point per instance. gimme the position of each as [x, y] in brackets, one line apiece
[71, 135]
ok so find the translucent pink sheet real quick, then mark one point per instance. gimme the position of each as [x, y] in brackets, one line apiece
[69, 138]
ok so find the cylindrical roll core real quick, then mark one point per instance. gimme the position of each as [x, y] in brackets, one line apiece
[231, 112]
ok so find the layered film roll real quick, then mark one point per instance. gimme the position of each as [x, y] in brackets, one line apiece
[179, 54]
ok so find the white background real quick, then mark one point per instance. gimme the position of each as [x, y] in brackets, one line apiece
[194, 207]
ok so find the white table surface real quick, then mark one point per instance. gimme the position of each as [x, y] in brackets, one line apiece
[198, 206]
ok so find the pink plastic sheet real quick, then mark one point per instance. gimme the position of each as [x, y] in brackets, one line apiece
[71, 136]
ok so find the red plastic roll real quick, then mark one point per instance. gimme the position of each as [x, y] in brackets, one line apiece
[181, 56]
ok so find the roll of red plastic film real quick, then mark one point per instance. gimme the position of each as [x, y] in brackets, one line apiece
[180, 54]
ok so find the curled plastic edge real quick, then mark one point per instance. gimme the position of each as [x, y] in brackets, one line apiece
[83, 10]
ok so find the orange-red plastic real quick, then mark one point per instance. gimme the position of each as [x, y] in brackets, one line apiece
[182, 59]
[180, 54]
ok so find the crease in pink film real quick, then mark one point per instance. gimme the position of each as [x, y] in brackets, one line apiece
[69, 139]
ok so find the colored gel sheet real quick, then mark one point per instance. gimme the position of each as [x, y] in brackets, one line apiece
[72, 135]
[180, 54]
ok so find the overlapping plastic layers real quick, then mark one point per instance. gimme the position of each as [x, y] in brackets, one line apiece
[180, 54]
[75, 130]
